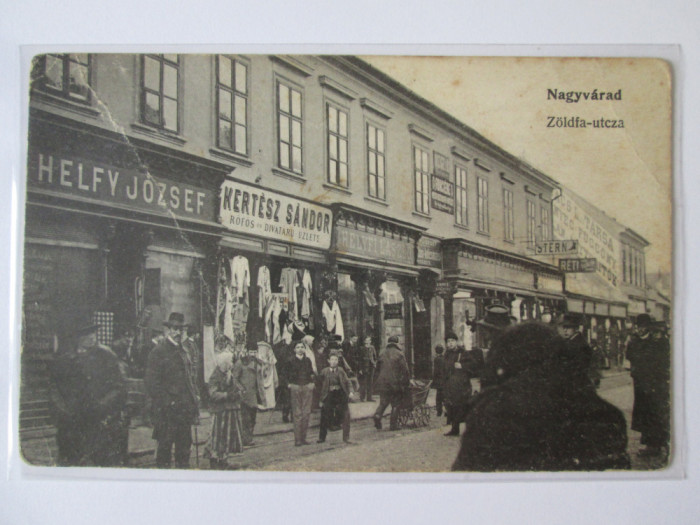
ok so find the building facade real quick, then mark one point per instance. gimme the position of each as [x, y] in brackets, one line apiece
[251, 191]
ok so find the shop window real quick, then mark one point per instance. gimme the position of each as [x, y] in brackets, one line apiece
[337, 128]
[461, 217]
[290, 120]
[65, 75]
[232, 104]
[531, 223]
[160, 91]
[421, 170]
[376, 158]
[482, 204]
[508, 215]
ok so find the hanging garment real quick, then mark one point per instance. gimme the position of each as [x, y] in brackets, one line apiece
[267, 377]
[264, 289]
[307, 288]
[272, 323]
[289, 282]
[240, 276]
[333, 318]
[228, 313]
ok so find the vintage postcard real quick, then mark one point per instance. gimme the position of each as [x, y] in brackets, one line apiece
[348, 263]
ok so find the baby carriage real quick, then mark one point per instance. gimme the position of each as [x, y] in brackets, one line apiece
[414, 412]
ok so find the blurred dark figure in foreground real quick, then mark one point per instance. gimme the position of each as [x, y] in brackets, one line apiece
[89, 396]
[538, 417]
[649, 354]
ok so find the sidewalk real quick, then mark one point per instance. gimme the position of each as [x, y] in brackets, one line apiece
[267, 423]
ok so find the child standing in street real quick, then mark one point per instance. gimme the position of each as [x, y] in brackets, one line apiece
[335, 392]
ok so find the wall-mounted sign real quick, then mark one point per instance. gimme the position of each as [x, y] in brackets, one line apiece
[444, 288]
[442, 194]
[578, 265]
[442, 166]
[367, 244]
[568, 247]
[257, 211]
[98, 181]
[429, 252]
[393, 311]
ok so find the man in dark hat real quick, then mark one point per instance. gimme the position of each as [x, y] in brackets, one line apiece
[578, 355]
[393, 381]
[88, 396]
[649, 355]
[170, 384]
[460, 366]
[490, 327]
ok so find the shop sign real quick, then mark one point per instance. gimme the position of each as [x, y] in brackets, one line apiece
[444, 288]
[442, 166]
[578, 265]
[393, 311]
[442, 194]
[429, 252]
[257, 211]
[356, 242]
[568, 247]
[105, 183]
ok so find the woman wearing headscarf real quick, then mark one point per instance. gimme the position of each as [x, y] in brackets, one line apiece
[226, 437]
[537, 417]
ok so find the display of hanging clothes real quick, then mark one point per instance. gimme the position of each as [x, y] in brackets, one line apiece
[289, 282]
[333, 318]
[264, 290]
[240, 277]
[307, 289]
[267, 377]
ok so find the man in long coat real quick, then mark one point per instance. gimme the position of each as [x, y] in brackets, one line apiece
[649, 354]
[460, 366]
[170, 384]
[578, 355]
[393, 381]
[88, 396]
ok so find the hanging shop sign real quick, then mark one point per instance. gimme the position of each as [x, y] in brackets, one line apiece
[442, 194]
[393, 311]
[444, 288]
[257, 211]
[104, 183]
[568, 247]
[578, 265]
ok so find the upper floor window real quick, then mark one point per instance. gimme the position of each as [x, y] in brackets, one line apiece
[66, 75]
[531, 223]
[508, 215]
[376, 157]
[482, 204]
[461, 216]
[337, 125]
[421, 169]
[232, 104]
[546, 224]
[289, 117]
[160, 91]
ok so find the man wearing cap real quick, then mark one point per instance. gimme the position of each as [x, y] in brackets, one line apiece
[460, 366]
[650, 360]
[335, 393]
[392, 383]
[88, 396]
[170, 384]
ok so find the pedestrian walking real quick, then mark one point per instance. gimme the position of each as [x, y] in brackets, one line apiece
[536, 417]
[88, 395]
[301, 385]
[224, 397]
[578, 355]
[335, 394]
[649, 354]
[246, 377]
[170, 384]
[439, 374]
[393, 381]
[460, 367]
[367, 366]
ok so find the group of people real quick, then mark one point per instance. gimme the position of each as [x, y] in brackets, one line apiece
[538, 408]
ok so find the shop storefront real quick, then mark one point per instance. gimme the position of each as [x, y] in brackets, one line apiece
[378, 282]
[115, 235]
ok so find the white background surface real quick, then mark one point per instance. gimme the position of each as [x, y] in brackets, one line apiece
[414, 22]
